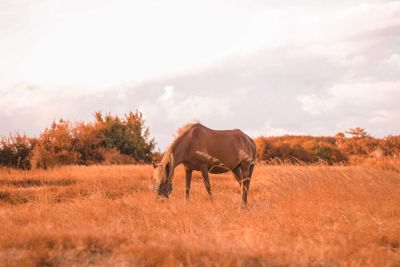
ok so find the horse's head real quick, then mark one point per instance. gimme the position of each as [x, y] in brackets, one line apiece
[163, 174]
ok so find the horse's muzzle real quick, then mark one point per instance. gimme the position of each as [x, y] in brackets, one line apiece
[162, 192]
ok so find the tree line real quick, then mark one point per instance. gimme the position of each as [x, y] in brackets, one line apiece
[113, 140]
[332, 149]
[107, 140]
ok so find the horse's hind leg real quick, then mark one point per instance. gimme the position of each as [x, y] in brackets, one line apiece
[204, 172]
[246, 182]
[247, 170]
[240, 173]
[188, 181]
[245, 190]
[251, 170]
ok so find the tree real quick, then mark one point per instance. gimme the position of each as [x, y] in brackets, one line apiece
[15, 151]
[55, 146]
[87, 141]
[129, 135]
[357, 132]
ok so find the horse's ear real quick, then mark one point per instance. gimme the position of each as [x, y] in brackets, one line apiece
[155, 165]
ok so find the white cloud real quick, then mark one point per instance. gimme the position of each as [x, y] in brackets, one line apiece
[169, 90]
[316, 105]
[351, 31]
[174, 108]
[101, 43]
[385, 116]
[179, 108]
[369, 95]
[26, 95]
[365, 95]
[392, 62]
[97, 44]
[372, 105]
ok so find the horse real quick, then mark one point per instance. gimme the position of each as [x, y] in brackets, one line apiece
[206, 150]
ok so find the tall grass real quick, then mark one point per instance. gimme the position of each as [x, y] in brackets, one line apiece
[108, 215]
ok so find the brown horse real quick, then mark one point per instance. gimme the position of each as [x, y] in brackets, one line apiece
[202, 149]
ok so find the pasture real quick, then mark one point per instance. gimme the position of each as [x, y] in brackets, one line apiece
[109, 216]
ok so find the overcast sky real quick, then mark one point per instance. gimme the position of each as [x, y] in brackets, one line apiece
[266, 67]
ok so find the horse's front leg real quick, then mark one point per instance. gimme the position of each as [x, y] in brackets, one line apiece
[204, 172]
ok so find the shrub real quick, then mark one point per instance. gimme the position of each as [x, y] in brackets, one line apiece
[55, 146]
[293, 149]
[129, 135]
[108, 140]
[15, 151]
[88, 142]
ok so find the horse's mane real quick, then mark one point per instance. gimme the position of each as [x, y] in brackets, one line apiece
[168, 157]
[181, 133]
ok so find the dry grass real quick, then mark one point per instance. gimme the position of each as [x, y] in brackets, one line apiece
[107, 215]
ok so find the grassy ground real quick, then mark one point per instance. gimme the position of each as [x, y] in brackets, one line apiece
[108, 215]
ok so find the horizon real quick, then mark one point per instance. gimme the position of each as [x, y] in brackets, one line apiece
[269, 68]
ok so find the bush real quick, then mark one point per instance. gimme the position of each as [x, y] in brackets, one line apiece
[110, 141]
[15, 151]
[112, 157]
[88, 142]
[55, 146]
[293, 149]
[129, 135]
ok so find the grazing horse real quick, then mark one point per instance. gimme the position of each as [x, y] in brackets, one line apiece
[202, 149]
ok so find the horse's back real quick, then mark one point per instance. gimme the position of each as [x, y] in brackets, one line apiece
[228, 146]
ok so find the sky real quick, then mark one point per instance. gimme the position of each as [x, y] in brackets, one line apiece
[267, 67]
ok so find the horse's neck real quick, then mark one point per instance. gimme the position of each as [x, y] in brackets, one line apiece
[178, 152]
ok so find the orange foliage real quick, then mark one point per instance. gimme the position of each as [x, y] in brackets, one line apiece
[16, 151]
[337, 149]
[108, 141]
[55, 146]
[293, 149]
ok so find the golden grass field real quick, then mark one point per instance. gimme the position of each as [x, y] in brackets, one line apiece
[108, 216]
